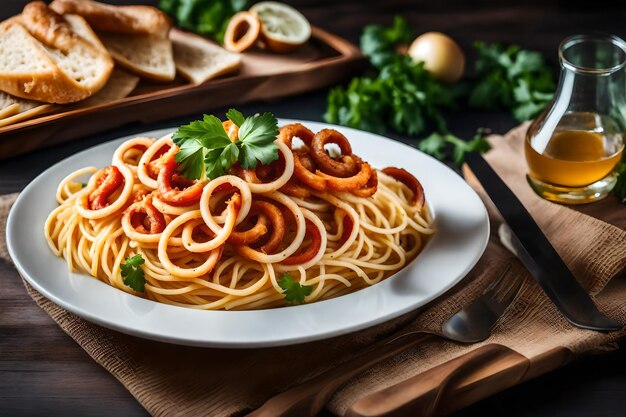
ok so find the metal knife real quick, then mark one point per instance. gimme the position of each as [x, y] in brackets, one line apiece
[538, 255]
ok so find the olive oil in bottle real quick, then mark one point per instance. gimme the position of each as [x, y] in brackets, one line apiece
[574, 158]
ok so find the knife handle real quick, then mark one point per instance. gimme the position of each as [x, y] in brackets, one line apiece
[309, 397]
[447, 387]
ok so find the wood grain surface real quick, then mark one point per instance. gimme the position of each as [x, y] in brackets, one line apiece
[43, 372]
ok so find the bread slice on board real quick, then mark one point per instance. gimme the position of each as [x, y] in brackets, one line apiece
[199, 59]
[145, 55]
[136, 20]
[43, 59]
[81, 28]
[120, 85]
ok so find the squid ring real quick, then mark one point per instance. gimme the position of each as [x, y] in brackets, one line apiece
[288, 132]
[406, 178]
[309, 178]
[93, 203]
[344, 168]
[368, 189]
[234, 205]
[141, 233]
[168, 193]
[147, 160]
[142, 144]
[216, 185]
[251, 235]
[242, 32]
[350, 183]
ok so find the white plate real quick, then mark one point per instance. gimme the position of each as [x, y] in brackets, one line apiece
[460, 217]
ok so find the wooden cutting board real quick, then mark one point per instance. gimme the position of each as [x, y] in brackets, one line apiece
[324, 61]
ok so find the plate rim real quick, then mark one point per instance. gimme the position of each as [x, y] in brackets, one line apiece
[191, 341]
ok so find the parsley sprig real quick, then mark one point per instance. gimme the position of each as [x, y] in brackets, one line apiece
[206, 150]
[295, 292]
[133, 274]
[436, 144]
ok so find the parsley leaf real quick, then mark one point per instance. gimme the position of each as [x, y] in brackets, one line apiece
[133, 274]
[513, 78]
[295, 292]
[206, 149]
[379, 43]
[402, 96]
[257, 135]
[436, 145]
[235, 116]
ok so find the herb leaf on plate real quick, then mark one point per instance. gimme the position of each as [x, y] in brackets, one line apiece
[133, 274]
[295, 292]
[206, 149]
[436, 145]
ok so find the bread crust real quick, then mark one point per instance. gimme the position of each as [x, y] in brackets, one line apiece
[137, 20]
[51, 85]
[47, 26]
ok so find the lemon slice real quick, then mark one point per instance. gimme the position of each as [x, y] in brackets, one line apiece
[283, 27]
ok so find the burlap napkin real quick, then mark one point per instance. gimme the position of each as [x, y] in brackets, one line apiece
[173, 380]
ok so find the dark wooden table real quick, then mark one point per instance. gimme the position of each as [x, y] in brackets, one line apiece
[43, 372]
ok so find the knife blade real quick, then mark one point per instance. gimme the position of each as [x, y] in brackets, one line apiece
[538, 255]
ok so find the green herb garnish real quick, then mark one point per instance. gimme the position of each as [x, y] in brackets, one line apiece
[206, 17]
[436, 144]
[513, 78]
[402, 96]
[133, 274]
[379, 43]
[206, 150]
[295, 292]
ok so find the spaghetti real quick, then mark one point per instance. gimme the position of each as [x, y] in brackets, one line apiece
[334, 224]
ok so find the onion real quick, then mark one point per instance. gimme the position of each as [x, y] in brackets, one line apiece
[442, 56]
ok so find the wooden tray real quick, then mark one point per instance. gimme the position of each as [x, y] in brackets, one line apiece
[325, 60]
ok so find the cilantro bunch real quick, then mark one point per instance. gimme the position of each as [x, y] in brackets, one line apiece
[205, 17]
[513, 78]
[207, 151]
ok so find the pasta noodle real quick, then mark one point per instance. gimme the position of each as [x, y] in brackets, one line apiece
[334, 224]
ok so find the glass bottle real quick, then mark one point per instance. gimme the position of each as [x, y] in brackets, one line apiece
[573, 147]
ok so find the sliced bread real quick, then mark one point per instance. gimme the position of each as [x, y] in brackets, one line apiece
[136, 20]
[199, 59]
[145, 55]
[120, 85]
[87, 65]
[82, 28]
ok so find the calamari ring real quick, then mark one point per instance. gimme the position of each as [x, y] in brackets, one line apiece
[276, 220]
[309, 178]
[84, 202]
[370, 188]
[218, 184]
[295, 188]
[204, 268]
[268, 187]
[350, 183]
[141, 144]
[150, 158]
[309, 253]
[149, 229]
[242, 32]
[169, 192]
[346, 167]
[298, 215]
[232, 211]
[288, 132]
[251, 235]
[406, 178]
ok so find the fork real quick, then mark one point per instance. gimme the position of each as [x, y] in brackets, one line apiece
[471, 324]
